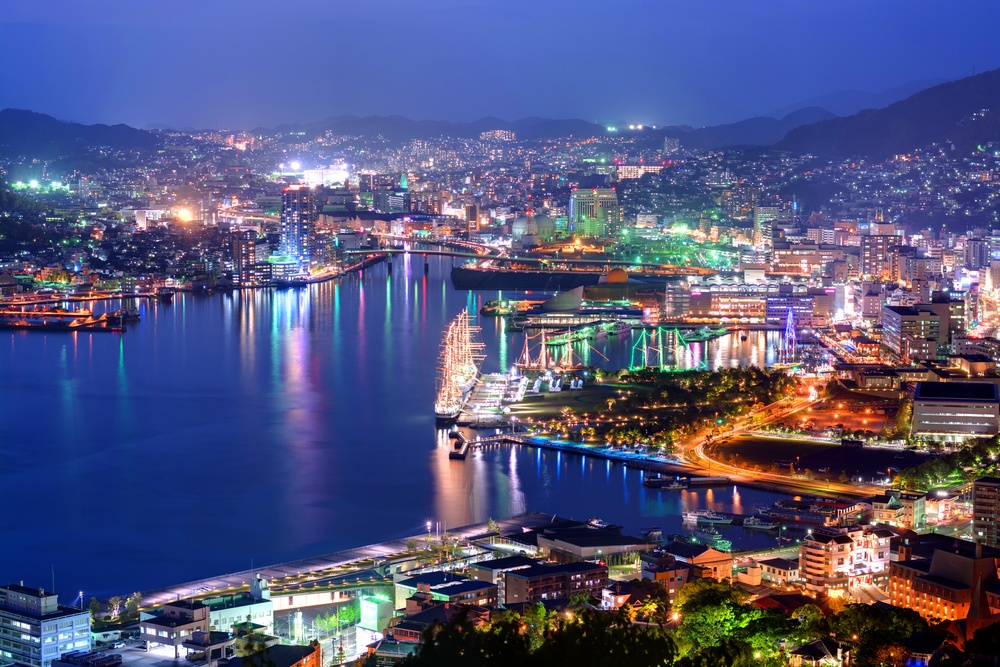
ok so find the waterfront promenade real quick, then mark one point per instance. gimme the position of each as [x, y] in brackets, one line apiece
[313, 570]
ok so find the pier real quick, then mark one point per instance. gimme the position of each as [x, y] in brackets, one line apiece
[351, 567]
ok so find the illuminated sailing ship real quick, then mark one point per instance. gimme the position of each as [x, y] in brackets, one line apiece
[458, 367]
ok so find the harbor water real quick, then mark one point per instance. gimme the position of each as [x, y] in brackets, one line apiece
[270, 425]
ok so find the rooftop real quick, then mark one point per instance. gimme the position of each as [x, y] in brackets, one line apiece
[957, 391]
[274, 656]
[506, 563]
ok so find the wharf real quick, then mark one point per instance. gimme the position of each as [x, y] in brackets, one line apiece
[314, 568]
[485, 406]
[645, 462]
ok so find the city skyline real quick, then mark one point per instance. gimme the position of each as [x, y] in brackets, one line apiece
[221, 65]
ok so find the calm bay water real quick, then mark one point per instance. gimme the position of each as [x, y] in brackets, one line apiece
[278, 424]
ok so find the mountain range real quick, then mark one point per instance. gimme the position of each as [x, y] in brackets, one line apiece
[850, 102]
[40, 136]
[965, 112]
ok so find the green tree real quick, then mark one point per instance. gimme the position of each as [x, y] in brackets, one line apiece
[94, 607]
[115, 607]
[712, 611]
[133, 603]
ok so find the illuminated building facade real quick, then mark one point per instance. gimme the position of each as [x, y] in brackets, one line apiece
[298, 227]
[35, 629]
[986, 510]
[953, 584]
[906, 332]
[595, 212]
[244, 245]
[835, 560]
[956, 410]
[626, 171]
[471, 218]
[763, 226]
[875, 261]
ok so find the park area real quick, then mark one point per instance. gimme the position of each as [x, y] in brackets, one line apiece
[815, 459]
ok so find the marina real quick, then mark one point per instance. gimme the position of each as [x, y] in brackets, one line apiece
[206, 354]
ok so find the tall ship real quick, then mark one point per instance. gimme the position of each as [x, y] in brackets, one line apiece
[458, 367]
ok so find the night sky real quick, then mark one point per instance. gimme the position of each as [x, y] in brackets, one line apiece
[247, 63]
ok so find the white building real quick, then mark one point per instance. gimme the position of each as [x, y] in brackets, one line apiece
[836, 560]
[943, 410]
[35, 629]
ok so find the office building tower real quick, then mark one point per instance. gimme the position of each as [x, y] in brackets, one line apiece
[985, 510]
[875, 260]
[244, 245]
[35, 629]
[595, 212]
[763, 228]
[471, 218]
[977, 254]
[910, 333]
[298, 227]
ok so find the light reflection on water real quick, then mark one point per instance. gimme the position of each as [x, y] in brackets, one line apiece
[273, 425]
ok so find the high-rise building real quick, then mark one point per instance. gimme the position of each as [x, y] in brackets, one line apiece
[471, 218]
[977, 254]
[244, 245]
[35, 629]
[875, 260]
[298, 227]
[985, 510]
[763, 228]
[910, 333]
[595, 212]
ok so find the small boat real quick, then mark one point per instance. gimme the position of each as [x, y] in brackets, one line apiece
[127, 314]
[670, 483]
[165, 294]
[743, 337]
[705, 516]
[599, 524]
[757, 523]
[652, 534]
[496, 308]
[710, 537]
[617, 327]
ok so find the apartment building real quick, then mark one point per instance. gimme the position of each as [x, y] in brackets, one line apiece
[35, 629]
[555, 582]
[835, 560]
[985, 510]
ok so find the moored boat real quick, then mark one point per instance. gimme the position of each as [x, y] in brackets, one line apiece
[757, 523]
[710, 537]
[705, 516]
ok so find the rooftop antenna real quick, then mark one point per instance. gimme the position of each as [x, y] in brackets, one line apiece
[53, 578]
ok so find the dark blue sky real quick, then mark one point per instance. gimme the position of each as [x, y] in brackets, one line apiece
[245, 63]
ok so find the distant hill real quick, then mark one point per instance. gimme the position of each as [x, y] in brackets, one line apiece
[38, 135]
[759, 131]
[847, 102]
[398, 128]
[947, 112]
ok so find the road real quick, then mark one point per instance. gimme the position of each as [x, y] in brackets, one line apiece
[694, 455]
